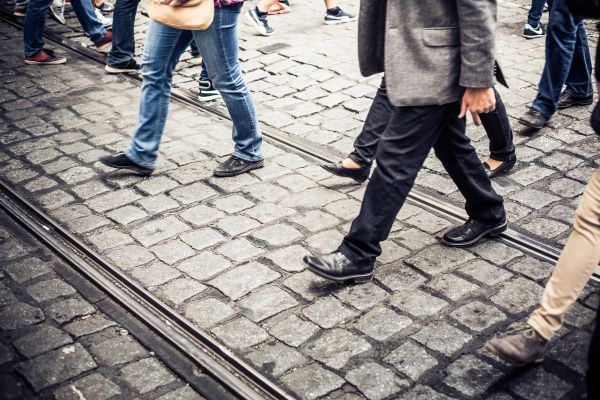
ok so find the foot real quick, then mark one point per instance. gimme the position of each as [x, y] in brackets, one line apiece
[348, 169]
[279, 7]
[519, 346]
[471, 232]
[532, 32]
[494, 168]
[45, 57]
[339, 268]
[57, 11]
[206, 91]
[107, 22]
[235, 166]
[338, 16]
[567, 99]
[259, 21]
[125, 66]
[106, 7]
[534, 119]
[104, 45]
[121, 161]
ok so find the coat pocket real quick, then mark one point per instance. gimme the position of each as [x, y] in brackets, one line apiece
[439, 37]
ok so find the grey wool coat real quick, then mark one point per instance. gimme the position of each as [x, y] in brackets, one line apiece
[428, 49]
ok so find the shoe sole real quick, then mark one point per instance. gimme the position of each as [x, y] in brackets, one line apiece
[209, 98]
[333, 172]
[134, 169]
[249, 168]
[339, 21]
[56, 62]
[533, 36]
[509, 360]
[494, 174]
[356, 278]
[257, 26]
[576, 103]
[19, 14]
[523, 122]
[488, 234]
[112, 70]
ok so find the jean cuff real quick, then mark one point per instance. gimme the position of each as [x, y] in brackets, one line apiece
[359, 160]
[135, 159]
[350, 256]
[247, 158]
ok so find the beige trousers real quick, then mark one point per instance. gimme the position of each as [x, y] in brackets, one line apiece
[575, 265]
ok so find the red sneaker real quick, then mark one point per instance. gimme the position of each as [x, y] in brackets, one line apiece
[45, 57]
[105, 44]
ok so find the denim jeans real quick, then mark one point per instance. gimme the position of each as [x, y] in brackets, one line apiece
[21, 3]
[84, 10]
[35, 19]
[204, 73]
[535, 12]
[409, 134]
[219, 47]
[496, 124]
[123, 44]
[568, 60]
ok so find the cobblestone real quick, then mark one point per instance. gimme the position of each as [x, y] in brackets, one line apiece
[382, 323]
[336, 347]
[312, 381]
[411, 360]
[240, 333]
[146, 375]
[265, 303]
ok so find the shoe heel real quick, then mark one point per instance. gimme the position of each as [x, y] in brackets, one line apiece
[363, 279]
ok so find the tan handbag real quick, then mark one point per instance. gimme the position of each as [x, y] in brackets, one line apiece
[195, 15]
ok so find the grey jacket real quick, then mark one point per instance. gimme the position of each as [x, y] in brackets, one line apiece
[429, 49]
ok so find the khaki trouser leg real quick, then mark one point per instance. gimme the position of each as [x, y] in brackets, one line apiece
[575, 265]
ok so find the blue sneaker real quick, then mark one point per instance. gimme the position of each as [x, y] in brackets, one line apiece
[338, 16]
[531, 32]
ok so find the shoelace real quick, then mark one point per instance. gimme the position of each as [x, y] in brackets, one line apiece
[520, 328]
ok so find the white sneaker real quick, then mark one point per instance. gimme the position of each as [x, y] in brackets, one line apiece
[107, 22]
[106, 7]
[57, 11]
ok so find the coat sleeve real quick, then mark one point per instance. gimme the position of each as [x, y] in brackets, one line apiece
[477, 22]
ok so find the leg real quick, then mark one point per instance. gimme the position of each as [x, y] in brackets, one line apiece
[579, 81]
[164, 46]
[500, 134]
[219, 47]
[35, 20]
[404, 145]
[575, 266]
[84, 9]
[454, 150]
[204, 73]
[123, 45]
[535, 12]
[561, 39]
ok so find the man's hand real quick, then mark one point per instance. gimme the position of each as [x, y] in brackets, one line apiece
[477, 101]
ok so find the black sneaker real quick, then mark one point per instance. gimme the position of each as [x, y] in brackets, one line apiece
[338, 16]
[120, 161]
[532, 32]
[259, 21]
[125, 66]
[206, 91]
[235, 166]
[534, 119]
[568, 99]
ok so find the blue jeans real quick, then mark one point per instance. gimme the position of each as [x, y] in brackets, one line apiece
[123, 45]
[568, 60]
[203, 73]
[219, 47]
[535, 12]
[21, 3]
[35, 19]
[84, 10]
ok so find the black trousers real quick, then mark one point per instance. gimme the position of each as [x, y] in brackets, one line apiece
[408, 134]
[593, 373]
[495, 123]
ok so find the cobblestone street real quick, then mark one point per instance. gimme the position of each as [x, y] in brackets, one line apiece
[227, 253]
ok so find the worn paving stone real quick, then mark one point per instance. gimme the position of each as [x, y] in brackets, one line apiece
[276, 358]
[240, 250]
[130, 256]
[88, 326]
[411, 360]
[375, 381]
[471, 376]
[56, 366]
[120, 350]
[158, 204]
[443, 337]
[201, 215]
[268, 212]
[42, 340]
[146, 375]
[265, 303]
[233, 204]
[180, 290]
[277, 235]
[109, 239]
[192, 193]
[382, 323]
[531, 268]
[159, 230]
[19, 315]
[544, 384]
[65, 310]
[202, 238]
[184, 393]
[240, 333]
[436, 259]
[207, 313]
[485, 272]
[293, 330]
[421, 392]
[289, 258]
[399, 278]
[363, 296]
[328, 312]
[155, 274]
[127, 214]
[418, 303]
[172, 251]
[92, 387]
[478, 316]
[336, 347]
[312, 382]
[315, 220]
[204, 266]
[518, 295]
[243, 279]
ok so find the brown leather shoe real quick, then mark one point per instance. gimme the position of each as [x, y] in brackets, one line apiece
[519, 346]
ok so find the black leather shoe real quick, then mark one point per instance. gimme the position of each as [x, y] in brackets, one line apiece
[568, 99]
[534, 119]
[235, 166]
[472, 232]
[501, 169]
[339, 268]
[120, 161]
[358, 174]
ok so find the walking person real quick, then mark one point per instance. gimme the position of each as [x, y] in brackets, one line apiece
[121, 57]
[568, 64]
[357, 165]
[434, 74]
[219, 48]
[534, 27]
